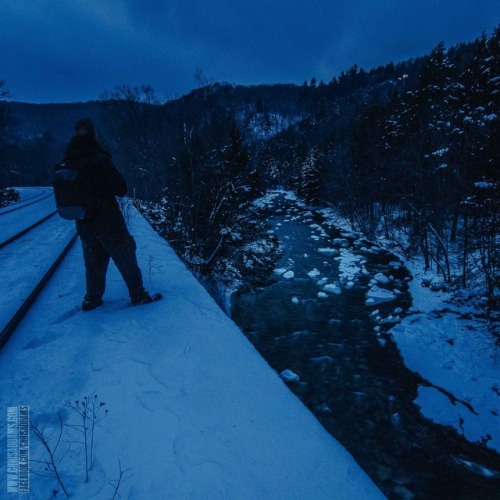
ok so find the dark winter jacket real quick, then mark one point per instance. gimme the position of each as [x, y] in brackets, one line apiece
[101, 177]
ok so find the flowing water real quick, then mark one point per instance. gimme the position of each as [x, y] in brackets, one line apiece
[351, 374]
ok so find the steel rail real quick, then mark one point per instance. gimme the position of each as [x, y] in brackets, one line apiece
[24, 231]
[9, 329]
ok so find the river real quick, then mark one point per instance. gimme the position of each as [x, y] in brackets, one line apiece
[324, 318]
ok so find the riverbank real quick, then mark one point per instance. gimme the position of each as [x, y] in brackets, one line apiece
[450, 345]
[322, 324]
[447, 344]
[447, 339]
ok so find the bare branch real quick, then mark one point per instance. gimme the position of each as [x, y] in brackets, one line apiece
[116, 483]
[51, 464]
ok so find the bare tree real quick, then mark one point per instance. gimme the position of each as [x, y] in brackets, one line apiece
[139, 133]
[201, 78]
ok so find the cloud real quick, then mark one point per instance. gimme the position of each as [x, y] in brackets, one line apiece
[74, 50]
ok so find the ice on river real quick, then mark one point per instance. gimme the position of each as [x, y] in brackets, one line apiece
[332, 288]
[327, 250]
[349, 265]
[459, 356]
[381, 278]
[314, 273]
[376, 295]
[280, 271]
[289, 376]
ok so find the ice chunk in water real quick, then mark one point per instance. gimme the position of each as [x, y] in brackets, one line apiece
[289, 376]
[332, 288]
[380, 278]
[376, 295]
[314, 273]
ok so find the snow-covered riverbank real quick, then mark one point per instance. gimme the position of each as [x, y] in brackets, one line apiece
[443, 342]
[450, 346]
[447, 344]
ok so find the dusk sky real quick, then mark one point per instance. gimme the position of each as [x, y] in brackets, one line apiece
[74, 50]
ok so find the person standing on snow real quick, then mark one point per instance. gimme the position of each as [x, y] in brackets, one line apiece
[104, 234]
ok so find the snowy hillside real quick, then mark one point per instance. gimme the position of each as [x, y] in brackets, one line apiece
[265, 125]
[193, 411]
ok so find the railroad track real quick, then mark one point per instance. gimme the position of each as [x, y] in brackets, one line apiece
[42, 195]
[13, 238]
[10, 323]
[8, 224]
[21, 312]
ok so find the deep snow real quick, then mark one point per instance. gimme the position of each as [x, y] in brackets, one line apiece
[194, 411]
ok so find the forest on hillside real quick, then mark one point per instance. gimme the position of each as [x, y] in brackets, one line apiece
[408, 152]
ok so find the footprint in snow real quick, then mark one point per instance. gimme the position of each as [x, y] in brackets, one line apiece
[69, 314]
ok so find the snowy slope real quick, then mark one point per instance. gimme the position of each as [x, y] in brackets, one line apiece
[193, 408]
[456, 353]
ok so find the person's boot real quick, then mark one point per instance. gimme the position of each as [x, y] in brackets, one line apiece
[90, 304]
[146, 298]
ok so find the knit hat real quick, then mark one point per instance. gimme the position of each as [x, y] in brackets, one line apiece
[85, 127]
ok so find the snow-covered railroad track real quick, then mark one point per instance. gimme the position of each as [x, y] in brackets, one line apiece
[14, 237]
[40, 194]
[19, 221]
[26, 265]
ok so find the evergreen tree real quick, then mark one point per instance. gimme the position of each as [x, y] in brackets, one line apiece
[310, 174]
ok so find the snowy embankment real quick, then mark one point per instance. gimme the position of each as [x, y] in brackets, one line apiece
[454, 351]
[193, 410]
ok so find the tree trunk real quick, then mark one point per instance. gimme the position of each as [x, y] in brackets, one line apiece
[465, 253]
[453, 235]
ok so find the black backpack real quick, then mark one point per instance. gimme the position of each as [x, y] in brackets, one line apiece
[73, 199]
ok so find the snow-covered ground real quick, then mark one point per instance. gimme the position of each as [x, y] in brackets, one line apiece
[193, 410]
[455, 353]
